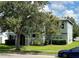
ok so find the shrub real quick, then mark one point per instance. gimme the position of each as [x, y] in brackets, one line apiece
[37, 42]
[59, 42]
[10, 42]
[46, 42]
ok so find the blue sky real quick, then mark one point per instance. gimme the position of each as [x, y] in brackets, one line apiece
[64, 8]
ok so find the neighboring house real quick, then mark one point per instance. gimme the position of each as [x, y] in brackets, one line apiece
[6, 36]
[66, 31]
[9, 37]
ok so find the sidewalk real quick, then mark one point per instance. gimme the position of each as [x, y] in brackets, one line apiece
[6, 55]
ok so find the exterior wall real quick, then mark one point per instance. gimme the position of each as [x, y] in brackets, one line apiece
[0, 38]
[5, 36]
[66, 32]
[64, 36]
[69, 32]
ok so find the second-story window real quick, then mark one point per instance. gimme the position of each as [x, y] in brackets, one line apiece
[62, 25]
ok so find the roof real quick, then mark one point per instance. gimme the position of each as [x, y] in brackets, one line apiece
[65, 19]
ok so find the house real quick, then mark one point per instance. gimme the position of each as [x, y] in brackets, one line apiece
[6, 36]
[66, 32]
[64, 37]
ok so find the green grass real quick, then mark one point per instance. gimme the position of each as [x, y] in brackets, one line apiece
[6, 48]
[49, 49]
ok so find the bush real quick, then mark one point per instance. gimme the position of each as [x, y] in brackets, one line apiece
[59, 42]
[10, 42]
[46, 42]
[37, 42]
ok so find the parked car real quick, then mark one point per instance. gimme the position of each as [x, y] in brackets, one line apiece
[71, 53]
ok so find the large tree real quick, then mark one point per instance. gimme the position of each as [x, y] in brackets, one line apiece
[75, 28]
[17, 15]
[24, 17]
[52, 24]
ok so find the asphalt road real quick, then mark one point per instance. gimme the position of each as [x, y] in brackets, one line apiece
[6, 55]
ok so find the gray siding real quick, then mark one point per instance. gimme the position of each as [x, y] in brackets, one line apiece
[64, 30]
[69, 32]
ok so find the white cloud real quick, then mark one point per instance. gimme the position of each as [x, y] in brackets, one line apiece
[63, 2]
[58, 7]
[56, 13]
[70, 13]
[45, 9]
[53, 12]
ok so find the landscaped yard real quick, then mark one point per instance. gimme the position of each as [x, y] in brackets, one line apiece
[48, 49]
[6, 48]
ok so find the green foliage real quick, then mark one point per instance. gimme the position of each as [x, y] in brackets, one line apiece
[24, 18]
[75, 28]
[37, 42]
[58, 42]
[53, 24]
[27, 14]
[21, 17]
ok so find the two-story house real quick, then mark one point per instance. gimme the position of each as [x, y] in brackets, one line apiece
[66, 32]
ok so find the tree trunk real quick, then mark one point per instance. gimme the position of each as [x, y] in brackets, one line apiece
[17, 42]
[28, 41]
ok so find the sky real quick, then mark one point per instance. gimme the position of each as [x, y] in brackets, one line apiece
[64, 8]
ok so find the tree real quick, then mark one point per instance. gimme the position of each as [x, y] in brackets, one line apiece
[24, 17]
[75, 28]
[18, 15]
[53, 24]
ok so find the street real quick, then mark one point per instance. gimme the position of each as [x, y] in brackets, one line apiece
[6, 55]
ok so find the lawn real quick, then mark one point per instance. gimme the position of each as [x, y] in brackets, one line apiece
[6, 48]
[49, 49]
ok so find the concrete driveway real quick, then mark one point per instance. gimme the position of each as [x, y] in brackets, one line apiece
[6, 55]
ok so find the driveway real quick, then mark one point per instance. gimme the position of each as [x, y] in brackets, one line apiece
[6, 55]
